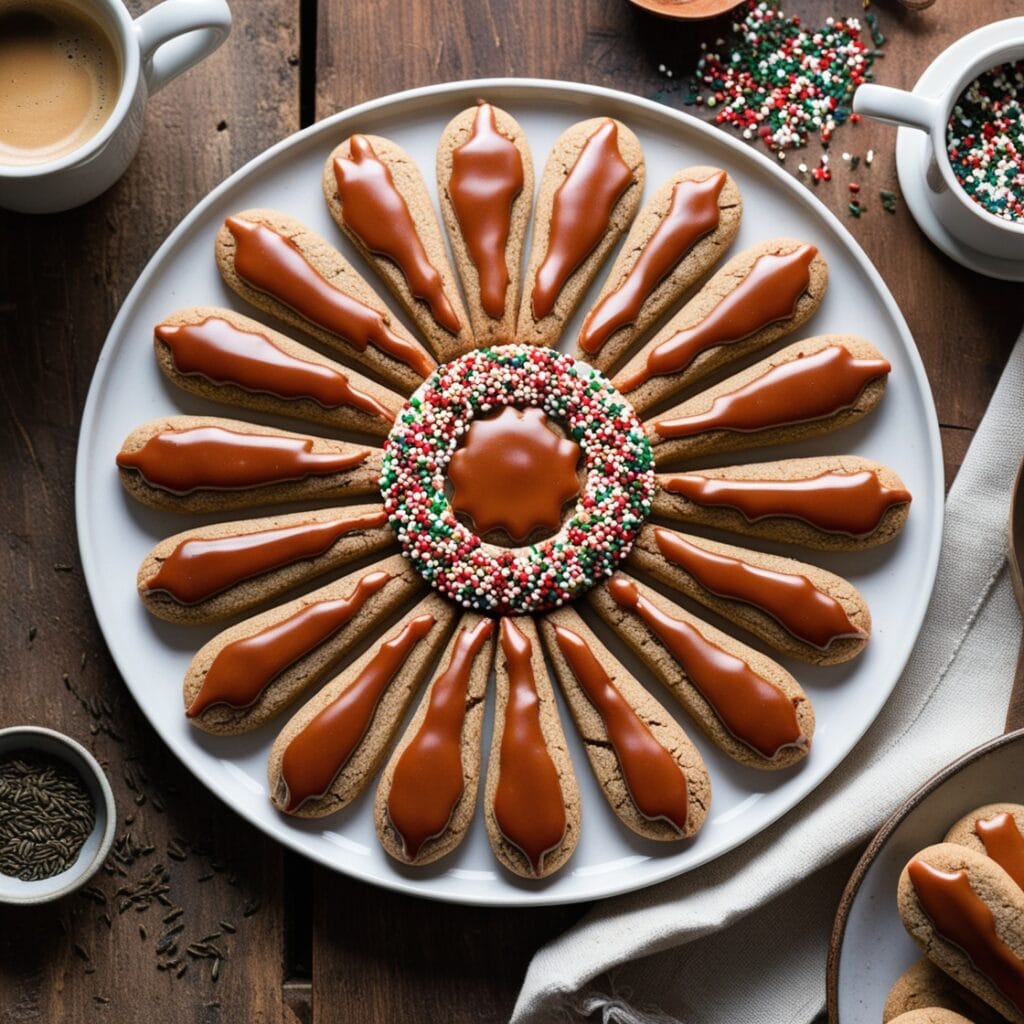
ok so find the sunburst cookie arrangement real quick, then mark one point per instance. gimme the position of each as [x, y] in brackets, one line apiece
[498, 509]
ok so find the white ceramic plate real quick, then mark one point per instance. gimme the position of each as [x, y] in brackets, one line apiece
[870, 948]
[115, 533]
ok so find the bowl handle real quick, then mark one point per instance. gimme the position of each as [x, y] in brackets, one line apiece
[894, 106]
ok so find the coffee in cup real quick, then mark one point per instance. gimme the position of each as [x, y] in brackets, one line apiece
[60, 77]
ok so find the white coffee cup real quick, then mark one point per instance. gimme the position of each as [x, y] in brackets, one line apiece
[965, 219]
[153, 49]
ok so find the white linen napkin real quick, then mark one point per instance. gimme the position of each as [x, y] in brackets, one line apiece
[744, 939]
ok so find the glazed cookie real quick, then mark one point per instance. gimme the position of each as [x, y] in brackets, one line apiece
[216, 571]
[922, 986]
[332, 747]
[759, 296]
[748, 705]
[427, 791]
[593, 179]
[809, 388]
[996, 830]
[378, 197]
[967, 914]
[829, 503]
[252, 671]
[208, 464]
[226, 357]
[532, 801]
[652, 776]
[485, 187]
[801, 610]
[283, 268]
[679, 235]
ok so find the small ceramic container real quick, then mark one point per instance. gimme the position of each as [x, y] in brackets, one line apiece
[687, 10]
[37, 740]
[961, 216]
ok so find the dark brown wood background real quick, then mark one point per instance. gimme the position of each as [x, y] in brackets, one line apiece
[310, 945]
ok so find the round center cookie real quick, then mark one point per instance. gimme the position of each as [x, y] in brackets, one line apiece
[483, 424]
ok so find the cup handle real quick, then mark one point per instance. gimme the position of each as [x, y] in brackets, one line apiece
[894, 106]
[176, 34]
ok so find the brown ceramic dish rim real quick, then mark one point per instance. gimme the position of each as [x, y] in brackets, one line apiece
[876, 846]
[663, 9]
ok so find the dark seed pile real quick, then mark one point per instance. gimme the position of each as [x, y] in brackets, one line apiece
[46, 815]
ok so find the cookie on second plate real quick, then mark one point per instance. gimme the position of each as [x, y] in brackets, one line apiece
[589, 192]
[967, 915]
[922, 986]
[485, 187]
[996, 830]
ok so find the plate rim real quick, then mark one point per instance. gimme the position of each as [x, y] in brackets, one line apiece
[530, 89]
[877, 845]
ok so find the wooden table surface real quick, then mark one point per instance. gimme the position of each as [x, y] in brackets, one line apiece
[305, 944]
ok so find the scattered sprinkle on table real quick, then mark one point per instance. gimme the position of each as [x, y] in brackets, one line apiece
[46, 815]
[985, 139]
[783, 83]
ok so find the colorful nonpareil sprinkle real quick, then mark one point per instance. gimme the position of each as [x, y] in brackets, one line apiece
[607, 516]
[781, 82]
[985, 139]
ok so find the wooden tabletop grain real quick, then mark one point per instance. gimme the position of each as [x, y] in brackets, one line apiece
[302, 943]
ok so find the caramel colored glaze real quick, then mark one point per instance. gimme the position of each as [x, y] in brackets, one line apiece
[514, 473]
[376, 211]
[314, 757]
[273, 264]
[428, 779]
[850, 503]
[693, 214]
[243, 669]
[528, 803]
[753, 710]
[1004, 844]
[198, 568]
[487, 176]
[809, 388]
[655, 781]
[224, 354]
[580, 213]
[961, 917]
[793, 601]
[769, 293]
[212, 458]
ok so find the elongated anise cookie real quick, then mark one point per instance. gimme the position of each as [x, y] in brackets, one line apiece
[251, 671]
[209, 464]
[427, 791]
[967, 915]
[828, 502]
[212, 572]
[485, 187]
[801, 610]
[589, 192]
[748, 705]
[331, 748]
[924, 987]
[276, 263]
[759, 296]
[377, 196]
[651, 774]
[996, 830]
[531, 801]
[221, 355]
[681, 232]
[808, 388]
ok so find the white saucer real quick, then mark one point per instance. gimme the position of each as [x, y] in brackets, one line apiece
[912, 152]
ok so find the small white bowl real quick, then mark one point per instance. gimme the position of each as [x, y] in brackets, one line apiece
[37, 740]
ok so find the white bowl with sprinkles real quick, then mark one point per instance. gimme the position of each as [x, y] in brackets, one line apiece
[974, 174]
[57, 815]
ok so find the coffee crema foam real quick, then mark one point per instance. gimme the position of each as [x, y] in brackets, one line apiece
[60, 76]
